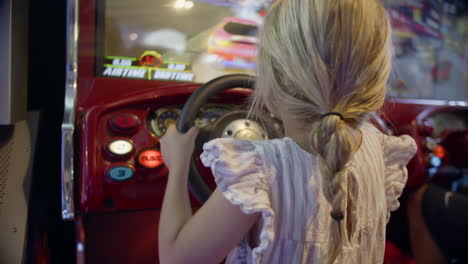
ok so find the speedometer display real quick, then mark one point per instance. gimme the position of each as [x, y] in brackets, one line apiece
[162, 119]
[210, 113]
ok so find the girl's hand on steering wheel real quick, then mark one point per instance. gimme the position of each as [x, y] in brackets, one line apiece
[177, 148]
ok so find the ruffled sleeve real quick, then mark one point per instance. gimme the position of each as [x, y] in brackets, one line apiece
[398, 151]
[239, 174]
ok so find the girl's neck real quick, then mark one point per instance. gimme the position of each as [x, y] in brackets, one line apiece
[299, 132]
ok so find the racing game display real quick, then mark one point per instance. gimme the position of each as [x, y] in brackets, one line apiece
[198, 40]
[180, 40]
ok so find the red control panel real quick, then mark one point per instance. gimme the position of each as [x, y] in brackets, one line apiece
[121, 164]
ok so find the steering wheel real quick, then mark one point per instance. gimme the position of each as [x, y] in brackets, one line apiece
[232, 124]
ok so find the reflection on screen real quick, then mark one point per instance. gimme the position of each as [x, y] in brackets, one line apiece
[196, 41]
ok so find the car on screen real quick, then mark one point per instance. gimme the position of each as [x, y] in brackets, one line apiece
[234, 40]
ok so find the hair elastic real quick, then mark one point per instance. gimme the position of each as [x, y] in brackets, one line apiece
[337, 216]
[332, 113]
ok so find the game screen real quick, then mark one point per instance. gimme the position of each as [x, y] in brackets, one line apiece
[180, 40]
[198, 40]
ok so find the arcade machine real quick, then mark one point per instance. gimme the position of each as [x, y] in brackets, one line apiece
[133, 69]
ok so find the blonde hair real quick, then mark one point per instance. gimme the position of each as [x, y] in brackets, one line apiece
[321, 56]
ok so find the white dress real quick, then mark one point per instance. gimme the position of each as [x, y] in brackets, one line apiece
[282, 181]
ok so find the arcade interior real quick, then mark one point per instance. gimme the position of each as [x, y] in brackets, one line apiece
[88, 88]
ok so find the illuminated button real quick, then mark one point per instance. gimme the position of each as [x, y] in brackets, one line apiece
[439, 151]
[435, 161]
[125, 122]
[120, 173]
[150, 159]
[120, 147]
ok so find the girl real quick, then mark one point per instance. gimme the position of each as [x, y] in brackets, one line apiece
[322, 194]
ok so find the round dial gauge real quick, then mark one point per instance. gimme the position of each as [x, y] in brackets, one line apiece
[210, 113]
[162, 119]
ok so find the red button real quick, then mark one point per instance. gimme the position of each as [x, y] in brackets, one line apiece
[439, 151]
[125, 122]
[150, 159]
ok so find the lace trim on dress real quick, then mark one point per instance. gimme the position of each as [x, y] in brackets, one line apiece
[398, 151]
[239, 173]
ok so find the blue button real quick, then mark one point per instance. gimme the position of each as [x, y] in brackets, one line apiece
[120, 173]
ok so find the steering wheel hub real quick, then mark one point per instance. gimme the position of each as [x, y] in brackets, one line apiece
[245, 129]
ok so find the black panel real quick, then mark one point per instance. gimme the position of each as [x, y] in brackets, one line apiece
[46, 89]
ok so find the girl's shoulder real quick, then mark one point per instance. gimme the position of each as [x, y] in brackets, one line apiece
[391, 145]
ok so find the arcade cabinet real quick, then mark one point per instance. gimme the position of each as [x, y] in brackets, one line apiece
[133, 65]
[129, 74]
